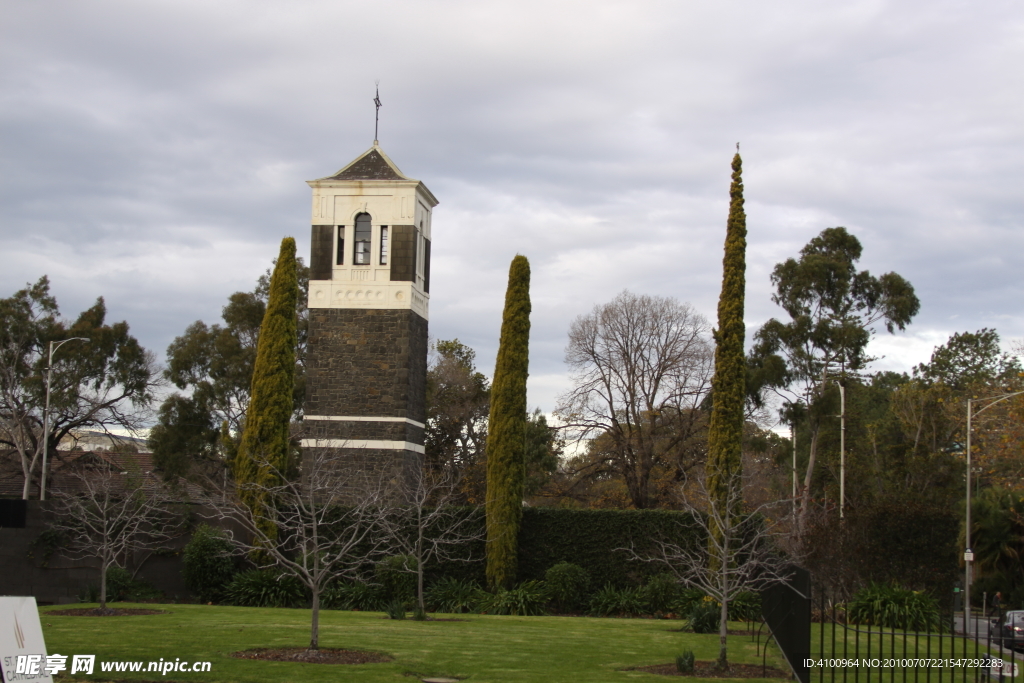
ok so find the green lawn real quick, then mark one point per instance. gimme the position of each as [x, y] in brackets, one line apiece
[481, 648]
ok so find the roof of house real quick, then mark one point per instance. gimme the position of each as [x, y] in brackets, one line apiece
[67, 467]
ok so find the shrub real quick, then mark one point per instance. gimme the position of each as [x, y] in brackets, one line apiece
[525, 600]
[567, 584]
[395, 609]
[684, 662]
[745, 607]
[119, 582]
[397, 576]
[265, 588]
[207, 568]
[705, 616]
[359, 596]
[611, 601]
[687, 599]
[89, 593]
[122, 587]
[597, 539]
[453, 596]
[894, 607]
[661, 593]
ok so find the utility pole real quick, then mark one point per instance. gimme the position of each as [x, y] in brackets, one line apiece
[842, 450]
[968, 553]
[46, 411]
[792, 433]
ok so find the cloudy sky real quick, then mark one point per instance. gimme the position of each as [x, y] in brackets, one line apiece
[155, 152]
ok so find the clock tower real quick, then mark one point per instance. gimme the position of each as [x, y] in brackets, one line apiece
[369, 296]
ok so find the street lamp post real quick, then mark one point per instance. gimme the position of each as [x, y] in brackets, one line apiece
[46, 411]
[968, 552]
[842, 450]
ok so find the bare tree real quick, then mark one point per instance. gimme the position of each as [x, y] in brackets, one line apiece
[328, 522]
[742, 553]
[429, 526]
[107, 514]
[640, 366]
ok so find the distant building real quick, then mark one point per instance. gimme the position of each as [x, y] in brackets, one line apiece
[85, 440]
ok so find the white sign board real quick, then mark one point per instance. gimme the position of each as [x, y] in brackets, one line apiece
[1009, 670]
[22, 650]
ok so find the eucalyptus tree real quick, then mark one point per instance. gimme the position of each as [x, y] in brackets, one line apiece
[458, 403]
[213, 365]
[833, 310]
[102, 380]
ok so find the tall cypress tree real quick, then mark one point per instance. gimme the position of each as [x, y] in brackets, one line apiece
[506, 430]
[725, 434]
[263, 452]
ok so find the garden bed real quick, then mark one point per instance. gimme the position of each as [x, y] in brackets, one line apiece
[710, 670]
[109, 612]
[325, 655]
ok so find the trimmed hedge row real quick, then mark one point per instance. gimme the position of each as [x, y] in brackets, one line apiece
[597, 541]
[593, 539]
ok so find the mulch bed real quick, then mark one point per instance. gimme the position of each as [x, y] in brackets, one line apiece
[324, 655]
[109, 612]
[710, 670]
[731, 632]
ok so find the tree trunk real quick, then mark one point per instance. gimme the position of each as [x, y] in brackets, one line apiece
[103, 584]
[723, 634]
[314, 631]
[805, 498]
[27, 487]
[27, 469]
[419, 588]
[419, 569]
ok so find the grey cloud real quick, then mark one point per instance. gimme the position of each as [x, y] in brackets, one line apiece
[155, 153]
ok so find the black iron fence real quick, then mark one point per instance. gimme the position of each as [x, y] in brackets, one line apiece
[820, 644]
[786, 610]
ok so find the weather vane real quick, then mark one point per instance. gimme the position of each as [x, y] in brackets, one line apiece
[376, 122]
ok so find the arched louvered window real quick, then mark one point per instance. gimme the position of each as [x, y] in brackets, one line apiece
[362, 240]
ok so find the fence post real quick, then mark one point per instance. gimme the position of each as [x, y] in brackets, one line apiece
[786, 609]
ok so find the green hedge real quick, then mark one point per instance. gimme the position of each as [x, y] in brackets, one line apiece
[588, 538]
[592, 539]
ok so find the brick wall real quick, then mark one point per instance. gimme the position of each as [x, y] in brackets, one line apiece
[61, 580]
[369, 363]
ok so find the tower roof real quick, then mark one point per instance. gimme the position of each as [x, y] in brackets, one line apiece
[373, 164]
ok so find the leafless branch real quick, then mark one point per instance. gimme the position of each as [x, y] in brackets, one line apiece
[324, 525]
[739, 552]
[107, 515]
[428, 525]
